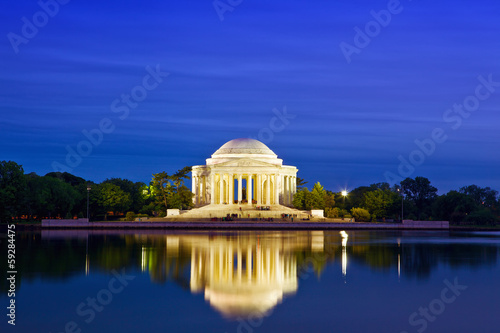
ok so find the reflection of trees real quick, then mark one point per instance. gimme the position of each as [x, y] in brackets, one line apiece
[168, 256]
[419, 255]
[39, 258]
[383, 256]
[164, 261]
[419, 259]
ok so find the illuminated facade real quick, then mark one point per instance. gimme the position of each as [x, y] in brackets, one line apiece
[243, 171]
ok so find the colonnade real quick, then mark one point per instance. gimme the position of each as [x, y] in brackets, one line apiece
[261, 188]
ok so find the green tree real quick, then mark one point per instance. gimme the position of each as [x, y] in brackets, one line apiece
[360, 214]
[482, 216]
[332, 212]
[12, 190]
[453, 206]
[482, 196]
[130, 216]
[50, 197]
[378, 202]
[113, 198]
[170, 191]
[301, 183]
[182, 198]
[318, 195]
[133, 189]
[329, 199]
[420, 193]
[79, 185]
[303, 199]
[161, 189]
[180, 176]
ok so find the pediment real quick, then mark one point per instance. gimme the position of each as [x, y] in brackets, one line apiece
[246, 162]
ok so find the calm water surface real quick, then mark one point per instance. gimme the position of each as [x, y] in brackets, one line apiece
[258, 281]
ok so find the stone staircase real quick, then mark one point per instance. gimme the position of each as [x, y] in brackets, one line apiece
[247, 212]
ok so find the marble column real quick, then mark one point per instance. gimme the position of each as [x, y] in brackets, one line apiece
[198, 193]
[276, 190]
[203, 189]
[249, 189]
[221, 188]
[258, 184]
[194, 189]
[231, 188]
[284, 188]
[212, 188]
[268, 190]
[290, 188]
[240, 188]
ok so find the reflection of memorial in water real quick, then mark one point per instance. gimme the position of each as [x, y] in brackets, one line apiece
[247, 274]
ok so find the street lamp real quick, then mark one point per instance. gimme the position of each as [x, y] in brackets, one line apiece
[344, 194]
[402, 202]
[88, 192]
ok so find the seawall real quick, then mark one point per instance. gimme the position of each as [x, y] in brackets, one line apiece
[243, 224]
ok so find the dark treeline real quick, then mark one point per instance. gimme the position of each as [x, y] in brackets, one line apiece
[63, 195]
[418, 198]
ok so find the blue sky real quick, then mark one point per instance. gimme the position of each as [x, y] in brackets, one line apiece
[349, 122]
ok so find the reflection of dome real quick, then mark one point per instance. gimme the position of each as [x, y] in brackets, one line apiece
[246, 275]
[244, 146]
[243, 301]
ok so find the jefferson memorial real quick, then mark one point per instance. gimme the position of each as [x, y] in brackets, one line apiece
[244, 172]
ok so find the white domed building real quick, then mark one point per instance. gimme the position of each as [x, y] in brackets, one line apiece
[244, 172]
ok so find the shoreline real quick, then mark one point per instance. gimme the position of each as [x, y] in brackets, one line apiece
[245, 224]
[276, 226]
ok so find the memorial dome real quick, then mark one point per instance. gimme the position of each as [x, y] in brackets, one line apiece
[244, 146]
[243, 163]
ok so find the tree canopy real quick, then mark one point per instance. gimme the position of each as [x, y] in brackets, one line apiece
[63, 195]
[169, 191]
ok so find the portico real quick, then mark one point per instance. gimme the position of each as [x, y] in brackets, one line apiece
[244, 171]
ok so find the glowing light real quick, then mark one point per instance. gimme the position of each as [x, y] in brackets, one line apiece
[345, 236]
[87, 264]
[344, 193]
[144, 262]
[399, 266]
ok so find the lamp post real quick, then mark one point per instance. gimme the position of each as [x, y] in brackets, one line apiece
[402, 202]
[88, 192]
[344, 194]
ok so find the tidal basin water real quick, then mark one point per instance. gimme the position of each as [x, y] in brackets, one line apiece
[255, 281]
